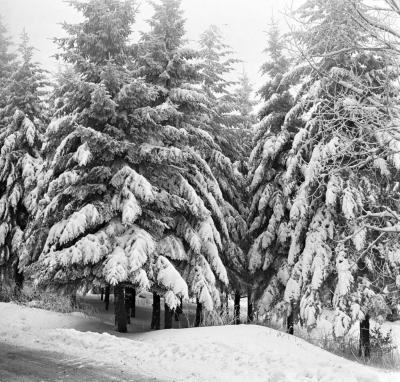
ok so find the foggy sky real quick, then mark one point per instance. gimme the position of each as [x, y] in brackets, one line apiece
[243, 24]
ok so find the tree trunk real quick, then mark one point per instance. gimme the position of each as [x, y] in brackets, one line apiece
[156, 314]
[133, 301]
[167, 317]
[101, 294]
[365, 345]
[127, 300]
[107, 296]
[19, 279]
[199, 314]
[5, 284]
[236, 308]
[290, 323]
[250, 311]
[72, 298]
[9, 282]
[119, 309]
[178, 310]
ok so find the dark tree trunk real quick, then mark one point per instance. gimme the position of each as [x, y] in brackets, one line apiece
[224, 305]
[19, 280]
[199, 314]
[6, 284]
[119, 309]
[72, 298]
[290, 323]
[127, 300]
[365, 344]
[236, 308]
[179, 310]
[156, 314]
[133, 301]
[250, 311]
[167, 317]
[101, 294]
[107, 296]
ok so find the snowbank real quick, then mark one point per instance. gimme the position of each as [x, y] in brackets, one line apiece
[225, 353]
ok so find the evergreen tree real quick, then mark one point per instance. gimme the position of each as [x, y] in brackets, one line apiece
[268, 217]
[7, 61]
[224, 121]
[25, 90]
[124, 198]
[346, 159]
[217, 64]
[166, 63]
[21, 127]
[244, 102]
[6, 57]
[20, 163]
[227, 161]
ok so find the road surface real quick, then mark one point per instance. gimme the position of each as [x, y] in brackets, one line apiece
[18, 364]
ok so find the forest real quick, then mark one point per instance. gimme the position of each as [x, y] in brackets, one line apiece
[150, 165]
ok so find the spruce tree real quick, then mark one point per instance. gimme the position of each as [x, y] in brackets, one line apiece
[7, 62]
[20, 163]
[346, 160]
[124, 198]
[268, 218]
[225, 123]
[187, 105]
[217, 64]
[20, 142]
[227, 161]
[25, 89]
[7, 58]
[244, 101]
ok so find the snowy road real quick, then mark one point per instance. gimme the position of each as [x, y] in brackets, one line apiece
[18, 364]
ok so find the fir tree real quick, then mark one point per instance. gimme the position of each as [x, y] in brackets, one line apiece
[244, 102]
[346, 160]
[25, 90]
[21, 127]
[7, 61]
[227, 161]
[166, 63]
[20, 163]
[124, 198]
[217, 64]
[225, 122]
[268, 217]
[6, 57]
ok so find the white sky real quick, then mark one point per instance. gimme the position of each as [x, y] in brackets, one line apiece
[243, 24]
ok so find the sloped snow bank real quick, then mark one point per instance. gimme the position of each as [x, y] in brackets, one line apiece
[224, 353]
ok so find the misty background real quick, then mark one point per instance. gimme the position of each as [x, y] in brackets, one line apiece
[242, 23]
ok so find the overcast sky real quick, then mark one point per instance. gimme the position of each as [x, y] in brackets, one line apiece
[243, 24]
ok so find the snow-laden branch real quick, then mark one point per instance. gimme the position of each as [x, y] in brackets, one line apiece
[392, 229]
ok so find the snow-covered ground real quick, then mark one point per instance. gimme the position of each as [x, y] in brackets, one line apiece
[222, 353]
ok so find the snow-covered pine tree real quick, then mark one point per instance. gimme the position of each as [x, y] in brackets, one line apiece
[268, 217]
[244, 101]
[225, 123]
[178, 74]
[346, 157]
[20, 141]
[20, 162]
[25, 89]
[7, 62]
[94, 227]
[124, 195]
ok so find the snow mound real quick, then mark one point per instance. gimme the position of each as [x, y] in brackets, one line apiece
[222, 353]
